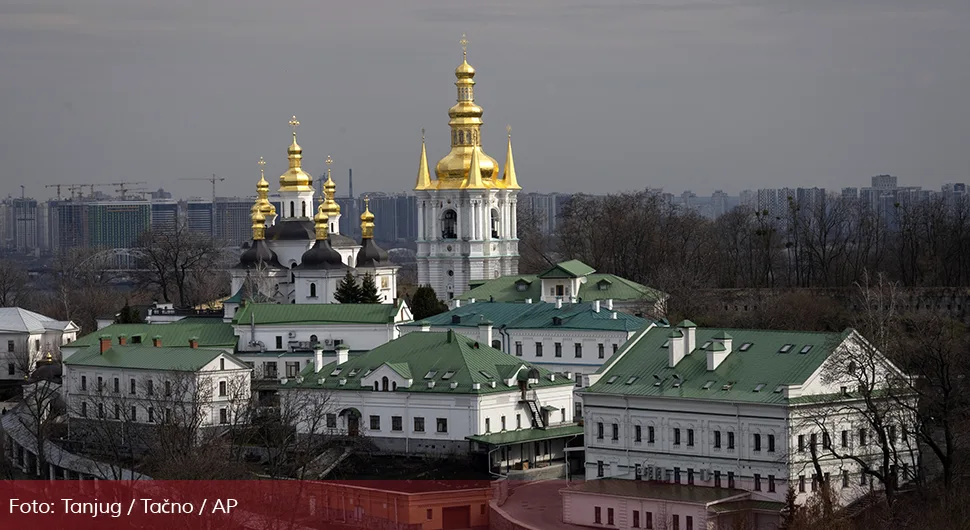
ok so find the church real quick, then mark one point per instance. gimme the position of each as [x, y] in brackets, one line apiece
[298, 257]
[466, 215]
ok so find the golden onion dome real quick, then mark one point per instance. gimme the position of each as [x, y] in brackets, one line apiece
[295, 179]
[455, 164]
[464, 70]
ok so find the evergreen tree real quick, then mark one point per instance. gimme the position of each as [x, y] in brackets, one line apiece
[425, 303]
[368, 291]
[348, 292]
[128, 315]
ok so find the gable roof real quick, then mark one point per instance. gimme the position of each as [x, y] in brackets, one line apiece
[568, 269]
[504, 289]
[18, 320]
[179, 359]
[213, 333]
[317, 313]
[442, 357]
[240, 295]
[645, 355]
[517, 315]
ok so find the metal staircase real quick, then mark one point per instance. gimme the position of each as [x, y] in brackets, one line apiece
[532, 401]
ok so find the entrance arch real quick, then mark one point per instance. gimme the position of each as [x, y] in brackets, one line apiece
[352, 417]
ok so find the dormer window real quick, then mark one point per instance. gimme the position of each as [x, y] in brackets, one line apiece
[456, 319]
[556, 321]
[521, 287]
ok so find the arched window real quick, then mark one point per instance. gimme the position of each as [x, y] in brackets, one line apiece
[292, 214]
[333, 228]
[495, 224]
[313, 290]
[376, 386]
[497, 344]
[303, 206]
[449, 225]
[384, 384]
[313, 339]
[461, 137]
[393, 385]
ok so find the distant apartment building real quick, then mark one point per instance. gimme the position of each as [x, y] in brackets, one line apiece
[850, 193]
[117, 224]
[547, 207]
[719, 203]
[884, 182]
[233, 224]
[198, 216]
[399, 215]
[19, 224]
[165, 215]
[748, 198]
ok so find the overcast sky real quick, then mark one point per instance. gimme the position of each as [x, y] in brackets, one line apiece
[602, 95]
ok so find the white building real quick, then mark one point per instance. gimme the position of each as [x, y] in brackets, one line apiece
[467, 214]
[720, 422]
[430, 392]
[26, 336]
[279, 339]
[150, 383]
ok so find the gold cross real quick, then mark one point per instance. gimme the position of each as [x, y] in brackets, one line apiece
[422, 134]
[329, 161]
[464, 45]
[509, 129]
[294, 123]
[261, 164]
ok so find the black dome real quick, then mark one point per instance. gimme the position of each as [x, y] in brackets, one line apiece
[371, 255]
[291, 230]
[322, 256]
[259, 253]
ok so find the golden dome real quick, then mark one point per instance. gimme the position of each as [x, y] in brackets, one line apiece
[262, 193]
[321, 222]
[295, 179]
[455, 165]
[367, 221]
[330, 206]
[464, 70]
[259, 223]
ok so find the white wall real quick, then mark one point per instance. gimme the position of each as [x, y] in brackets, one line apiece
[355, 336]
[34, 345]
[580, 509]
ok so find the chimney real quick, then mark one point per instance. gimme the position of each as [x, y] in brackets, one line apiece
[425, 325]
[609, 304]
[157, 341]
[528, 300]
[596, 306]
[558, 303]
[471, 301]
[343, 353]
[485, 332]
[613, 315]
[457, 303]
[194, 342]
[122, 340]
[317, 358]
[105, 343]
[719, 349]
[689, 330]
[675, 350]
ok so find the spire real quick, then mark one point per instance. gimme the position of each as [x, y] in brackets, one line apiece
[367, 221]
[295, 179]
[294, 147]
[475, 172]
[424, 176]
[509, 180]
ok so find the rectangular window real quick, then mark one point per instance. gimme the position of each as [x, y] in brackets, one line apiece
[757, 442]
[731, 479]
[375, 423]
[717, 479]
[616, 431]
[677, 475]
[826, 441]
[131, 386]
[599, 430]
[757, 482]
[637, 430]
[862, 478]
[11, 368]
[717, 439]
[538, 349]
[134, 414]
[503, 424]
[331, 421]
[615, 346]
[151, 415]
[579, 350]
[84, 409]
[37, 344]
[600, 351]
[845, 478]
[892, 433]
[418, 424]
[813, 441]
[279, 342]
[10, 346]
[676, 436]
[168, 388]
[814, 482]
[558, 349]
[637, 472]
[771, 483]
[676, 520]
[100, 383]
[442, 425]
[690, 476]
[518, 348]
[690, 437]
[84, 382]
[609, 516]
[730, 440]
[518, 421]
[222, 389]
[636, 519]
[117, 385]
[150, 387]
[845, 438]
[599, 468]
[117, 411]
[771, 443]
[223, 416]
[648, 520]
[689, 522]
[801, 443]
[597, 515]
[650, 435]
[429, 514]
[488, 424]
[862, 437]
[801, 483]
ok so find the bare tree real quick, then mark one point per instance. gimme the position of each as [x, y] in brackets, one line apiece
[13, 283]
[178, 263]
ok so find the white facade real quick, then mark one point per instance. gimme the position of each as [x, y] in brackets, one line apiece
[25, 337]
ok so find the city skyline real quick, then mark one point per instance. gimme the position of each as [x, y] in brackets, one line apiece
[727, 96]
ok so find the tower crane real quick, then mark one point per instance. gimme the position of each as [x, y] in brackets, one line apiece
[123, 187]
[213, 179]
[57, 187]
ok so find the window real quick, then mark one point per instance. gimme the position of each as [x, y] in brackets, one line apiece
[786, 348]
[331, 421]
[677, 475]
[222, 389]
[558, 349]
[117, 411]
[648, 520]
[84, 409]
[801, 443]
[600, 351]
[676, 520]
[150, 387]
[690, 437]
[676, 436]
[375, 423]
[609, 516]
[826, 441]
[488, 424]
[757, 482]
[637, 472]
[845, 478]
[745, 346]
[892, 433]
[599, 468]
[731, 479]
[636, 519]
[151, 415]
[616, 431]
[503, 426]
[313, 290]
[650, 434]
[801, 483]
[805, 349]
[599, 429]
[579, 350]
[538, 349]
[10, 346]
[717, 479]
[690, 522]
[223, 416]
[637, 431]
[814, 482]
[730, 440]
[497, 344]
[430, 514]
[449, 225]
[845, 438]
[518, 348]
[615, 347]
[418, 424]
[771, 443]
[37, 344]
[117, 385]
[84, 380]
[771, 483]
[862, 478]
[442, 425]
[168, 388]
[100, 383]
[131, 386]
[757, 442]
[862, 437]
[293, 369]
[279, 342]
[11, 368]
[690, 476]
[717, 439]
[222, 364]
[518, 421]
[813, 440]
[598, 514]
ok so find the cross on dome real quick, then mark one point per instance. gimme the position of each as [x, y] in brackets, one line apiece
[464, 46]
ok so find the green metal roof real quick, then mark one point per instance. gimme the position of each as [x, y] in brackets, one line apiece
[641, 489]
[736, 379]
[316, 313]
[517, 315]
[239, 296]
[182, 359]
[568, 269]
[504, 289]
[442, 357]
[209, 332]
[526, 435]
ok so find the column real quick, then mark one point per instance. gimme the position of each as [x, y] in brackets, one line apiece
[420, 220]
[514, 234]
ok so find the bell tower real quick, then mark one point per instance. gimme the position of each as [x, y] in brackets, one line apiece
[466, 214]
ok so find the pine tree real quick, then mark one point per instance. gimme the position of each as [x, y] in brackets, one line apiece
[128, 315]
[425, 303]
[348, 292]
[368, 290]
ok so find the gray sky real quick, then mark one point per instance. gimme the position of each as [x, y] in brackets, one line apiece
[602, 95]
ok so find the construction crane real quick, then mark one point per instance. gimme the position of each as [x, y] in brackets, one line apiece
[57, 187]
[75, 188]
[213, 179]
[123, 187]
